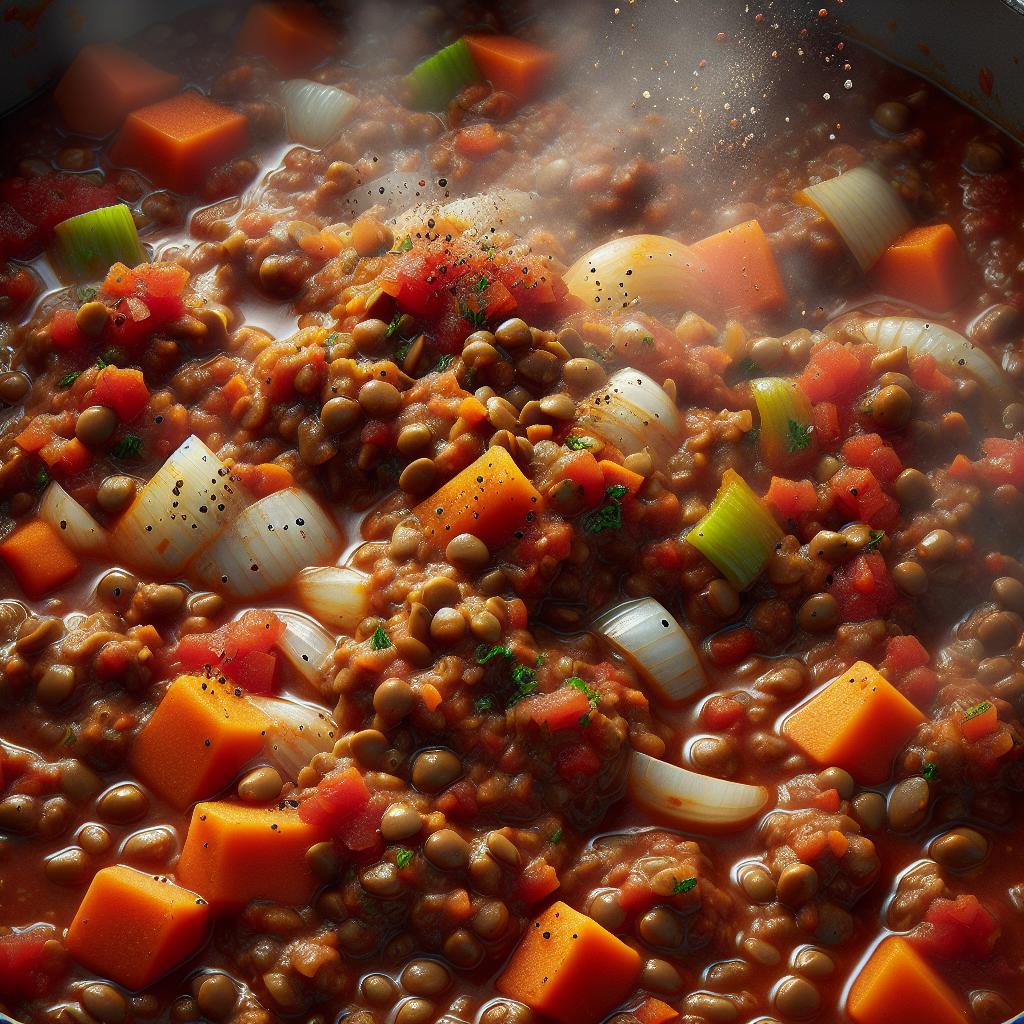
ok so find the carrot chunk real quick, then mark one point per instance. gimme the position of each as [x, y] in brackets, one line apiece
[133, 928]
[105, 83]
[616, 474]
[294, 37]
[569, 968]
[654, 1011]
[897, 984]
[926, 266]
[198, 738]
[39, 559]
[859, 722]
[177, 142]
[510, 64]
[234, 854]
[490, 498]
[741, 268]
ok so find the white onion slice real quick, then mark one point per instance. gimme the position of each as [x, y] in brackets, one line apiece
[634, 269]
[647, 634]
[268, 544]
[632, 412]
[949, 349]
[690, 800]
[394, 191]
[184, 506]
[480, 215]
[298, 733]
[315, 112]
[71, 521]
[306, 644]
[335, 594]
[864, 208]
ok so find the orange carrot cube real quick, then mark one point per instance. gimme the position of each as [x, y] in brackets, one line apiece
[133, 927]
[859, 722]
[39, 558]
[105, 83]
[177, 142]
[197, 740]
[741, 269]
[926, 266]
[294, 37]
[234, 854]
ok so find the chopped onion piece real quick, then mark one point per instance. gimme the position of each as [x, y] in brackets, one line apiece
[648, 635]
[864, 208]
[88, 245]
[950, 350]
[305, 644]
[71, 521]
[299, 732]
[632, 412]
[187, 503]
[691, 800]
[336, 595]
[639, 269]
[504, 209]
[269, 543]
[315, 112]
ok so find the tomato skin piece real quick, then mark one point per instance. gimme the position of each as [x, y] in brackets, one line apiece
[64, 332]
[835, 372]
[122, 390]
[577, 759]
[559, 710]
[337, 799]
[956, 929]
[583, 470]
[791, 498]
[903, 653]
[720, 713]
[863, 588]
[27, 970]
[254, 671]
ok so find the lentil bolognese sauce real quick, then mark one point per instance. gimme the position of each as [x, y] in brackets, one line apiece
[454, 572]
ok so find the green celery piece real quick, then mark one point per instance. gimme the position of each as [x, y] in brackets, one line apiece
[437, 79]
[88, 245]
[738, 534]
[786, 418]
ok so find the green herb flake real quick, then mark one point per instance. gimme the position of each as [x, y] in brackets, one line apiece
[556, 837]
[403, 856]
[68, 379]
[978, 709]
[402, 351]
[798, 436]
[481, 285]
[930, 771]
[477, 318]
[329, 343]
[488, 652]
[129, 447]
[42, 479]
[592, 695]
[405, 245]
[749, 368]
[380, 641]
[86, 294]
[648, 341]
[393, 326]
[684, 885]
[877, 536]
[482, 704]
[609, 515]
[69, 737]
[576, 443]
[444, 363]
[525, 680]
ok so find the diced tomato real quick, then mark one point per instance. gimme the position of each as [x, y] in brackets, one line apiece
[902, 653]
[732, 646]
[869, 451]
[828, 800]
[919, 686]
[124, 391]
[27, 969]
[339, 796]
[477, 141]
[582, 469]
[64, 332]
[863, 588]
[256, 630]
[37, 434]
[826, 425]
[956, 930]
[561, 709]
[254, 671]
[791, 498]
[539, 879]
[19, 238]
[361, 833]
[577, 759]
[979, 721]
[67, 456]
[860, 495]
[1003, 461]
[925, 373]
[720, 712]
[836, 371]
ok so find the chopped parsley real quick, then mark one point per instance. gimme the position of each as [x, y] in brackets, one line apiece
[476, 318]
[556, 837]
[482, 704]
[444, 363]
[609, 515]
[405, 245]
[329, 343]
[978, 709]
[69, 737]
[86, 294]
[128, 447]
[592, 695]
[877, 536]
[481, 285]
[798, 436]
[402, 351]
[486, 653]
[380, 641]
[930, 771]
[526, 683]
[684, 885]
[403, 856]
[393, 326]
[577, 443]
[749, 368]
[68, 379]
[42, 479]
[648, 341]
